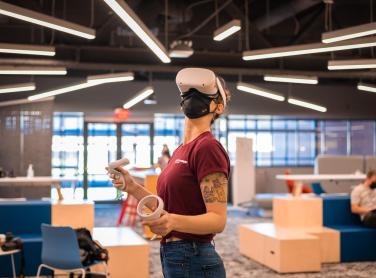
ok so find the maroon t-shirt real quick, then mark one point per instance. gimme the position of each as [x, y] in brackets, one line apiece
[179, 183]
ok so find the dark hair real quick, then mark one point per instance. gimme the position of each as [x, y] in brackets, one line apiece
[219, 99]
[371, 173]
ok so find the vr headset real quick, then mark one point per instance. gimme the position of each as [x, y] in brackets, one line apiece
[203, 80]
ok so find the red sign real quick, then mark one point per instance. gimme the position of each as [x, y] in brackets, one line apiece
[121, 114]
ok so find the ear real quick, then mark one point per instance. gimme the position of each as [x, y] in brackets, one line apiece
[220, 108]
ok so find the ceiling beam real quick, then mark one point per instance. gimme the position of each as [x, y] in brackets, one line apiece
[229, 71]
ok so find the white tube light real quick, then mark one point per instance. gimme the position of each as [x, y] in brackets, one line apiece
[349, 33]
[227, 30]
[352, 64]
[146, 92]
[303, 49]
[46, 21]
[15, 70]
[27, 49]
[307, 105]
[110, 78]
[252, 89]
[91, 81]
[366, 87]
[62, 90]
[13, 88]
[139, 28]
[292, 79]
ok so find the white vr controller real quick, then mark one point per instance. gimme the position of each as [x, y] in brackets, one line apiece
[142, 203]
[117, 175]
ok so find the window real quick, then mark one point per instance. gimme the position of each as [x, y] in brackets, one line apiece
[334, 137]
[362, 137]
[277, 142]
[168, 129]
[67, 146]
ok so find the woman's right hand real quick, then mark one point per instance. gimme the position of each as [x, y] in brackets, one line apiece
[130, 183]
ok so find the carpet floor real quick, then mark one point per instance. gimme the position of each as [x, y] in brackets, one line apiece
[227, 246]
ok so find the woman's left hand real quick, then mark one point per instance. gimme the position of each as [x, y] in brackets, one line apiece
[161, 226]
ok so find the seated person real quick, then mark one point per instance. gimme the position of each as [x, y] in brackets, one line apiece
[363, 200]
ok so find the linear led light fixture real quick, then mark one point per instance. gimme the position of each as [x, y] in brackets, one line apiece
[311, 48]
[110, 78]
[145, 93]
[27, 49]
[20, 70]
[306, 104]
[139, 28]
[91, 81]
[60, 91]
[349, 33]
[366, 87]
[20, 87]
[227, 30]
[292, 79]
[46, 21]
[352, 64]
[252, 89]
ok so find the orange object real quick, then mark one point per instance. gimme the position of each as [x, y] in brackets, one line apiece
[291, 184]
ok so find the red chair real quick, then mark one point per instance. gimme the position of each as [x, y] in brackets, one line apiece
[291, 184]
[128, 207]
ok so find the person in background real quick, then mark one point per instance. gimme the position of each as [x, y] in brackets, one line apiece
[363, 200]
[164, 158]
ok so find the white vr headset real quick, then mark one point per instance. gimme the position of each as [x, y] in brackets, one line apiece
[203, 80]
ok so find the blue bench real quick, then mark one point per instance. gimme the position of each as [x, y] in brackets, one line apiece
[24, 220]
[358, 243]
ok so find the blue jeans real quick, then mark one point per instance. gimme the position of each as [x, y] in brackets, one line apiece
[186, 259]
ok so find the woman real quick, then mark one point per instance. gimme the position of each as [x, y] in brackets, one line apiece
[194, 184]
[164, 158]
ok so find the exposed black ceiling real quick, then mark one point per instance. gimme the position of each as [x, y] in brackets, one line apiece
[272, 23]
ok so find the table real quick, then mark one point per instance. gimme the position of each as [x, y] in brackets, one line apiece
[128, 252]
[11, 254]
[319, 177]
[38, 181]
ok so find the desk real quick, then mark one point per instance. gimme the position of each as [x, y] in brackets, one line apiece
[73, 213]
[149, 179]
[319, 177]
[128, 252]
[11, 254]
[38, 181]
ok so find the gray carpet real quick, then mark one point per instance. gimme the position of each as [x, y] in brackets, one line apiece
[227, 246]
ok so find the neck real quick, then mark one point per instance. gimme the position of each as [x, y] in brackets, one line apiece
[194, 127]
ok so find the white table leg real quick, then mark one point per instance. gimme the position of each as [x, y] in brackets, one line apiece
[13, 266]
[298, 189]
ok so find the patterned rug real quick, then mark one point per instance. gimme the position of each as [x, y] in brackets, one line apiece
[227, 246]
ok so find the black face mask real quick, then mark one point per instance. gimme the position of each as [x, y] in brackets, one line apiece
[195, 104]
[373, 185]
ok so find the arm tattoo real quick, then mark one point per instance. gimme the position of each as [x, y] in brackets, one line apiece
[214, 188]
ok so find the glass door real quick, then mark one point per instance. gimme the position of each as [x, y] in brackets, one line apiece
[136, 143]
[107, 142]
[101, 149]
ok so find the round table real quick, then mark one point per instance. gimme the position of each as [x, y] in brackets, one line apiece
[11, 254]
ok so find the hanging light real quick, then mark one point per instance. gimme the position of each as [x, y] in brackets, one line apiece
[227, 30]
[252, 89]
[306, 104]
[139, 28]
[294, 50]
[46, 21]
[145, 93]
[292, 79]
